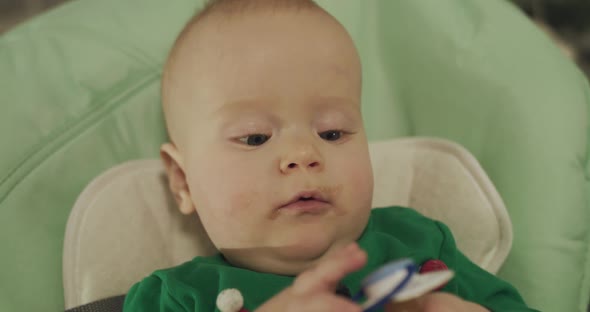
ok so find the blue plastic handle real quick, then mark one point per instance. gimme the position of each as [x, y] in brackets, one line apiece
[384, 272]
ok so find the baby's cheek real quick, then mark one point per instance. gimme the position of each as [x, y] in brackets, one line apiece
[243, 202]
[247, 212]
[360, 190]
[230, 222]
[361, 178]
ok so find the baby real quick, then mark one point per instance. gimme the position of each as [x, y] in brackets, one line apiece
[262, 104]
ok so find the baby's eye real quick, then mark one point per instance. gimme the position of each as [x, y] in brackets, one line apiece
[331, 135]
[254, 139]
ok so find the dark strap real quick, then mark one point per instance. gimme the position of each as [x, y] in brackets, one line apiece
[111, 304]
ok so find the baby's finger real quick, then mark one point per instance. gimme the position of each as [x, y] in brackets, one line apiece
[329, 272]
[326, 303]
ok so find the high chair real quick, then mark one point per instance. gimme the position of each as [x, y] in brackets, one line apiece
[504, 111]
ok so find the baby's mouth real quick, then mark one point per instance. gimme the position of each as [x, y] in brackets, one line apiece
[307, 202]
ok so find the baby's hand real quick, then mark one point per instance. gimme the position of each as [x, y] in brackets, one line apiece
[314, 289]
[436, 302]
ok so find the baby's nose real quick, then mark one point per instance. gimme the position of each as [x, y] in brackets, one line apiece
[301, 159]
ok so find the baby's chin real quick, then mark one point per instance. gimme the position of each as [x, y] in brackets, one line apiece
[284, 260]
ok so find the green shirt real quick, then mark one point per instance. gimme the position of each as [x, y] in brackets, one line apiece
[391, 233]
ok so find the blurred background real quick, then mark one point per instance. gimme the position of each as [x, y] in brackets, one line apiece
[566, 21]
[13, 12]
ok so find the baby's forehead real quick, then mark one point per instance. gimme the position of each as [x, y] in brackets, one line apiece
[212, 51]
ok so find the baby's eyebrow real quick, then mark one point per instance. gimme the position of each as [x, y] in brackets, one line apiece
[319, 103]
[335, 103]
[248, 109]
[243, 106]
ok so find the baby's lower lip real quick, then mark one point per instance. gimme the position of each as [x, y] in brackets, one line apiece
[311, 206]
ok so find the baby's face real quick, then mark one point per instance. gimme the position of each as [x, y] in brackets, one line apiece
[273, 145]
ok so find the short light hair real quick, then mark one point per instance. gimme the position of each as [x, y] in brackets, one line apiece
[222, 8]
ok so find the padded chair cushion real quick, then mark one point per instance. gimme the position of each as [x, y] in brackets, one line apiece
[129, 211]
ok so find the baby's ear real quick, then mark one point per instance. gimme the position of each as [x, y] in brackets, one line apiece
[174, 165]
